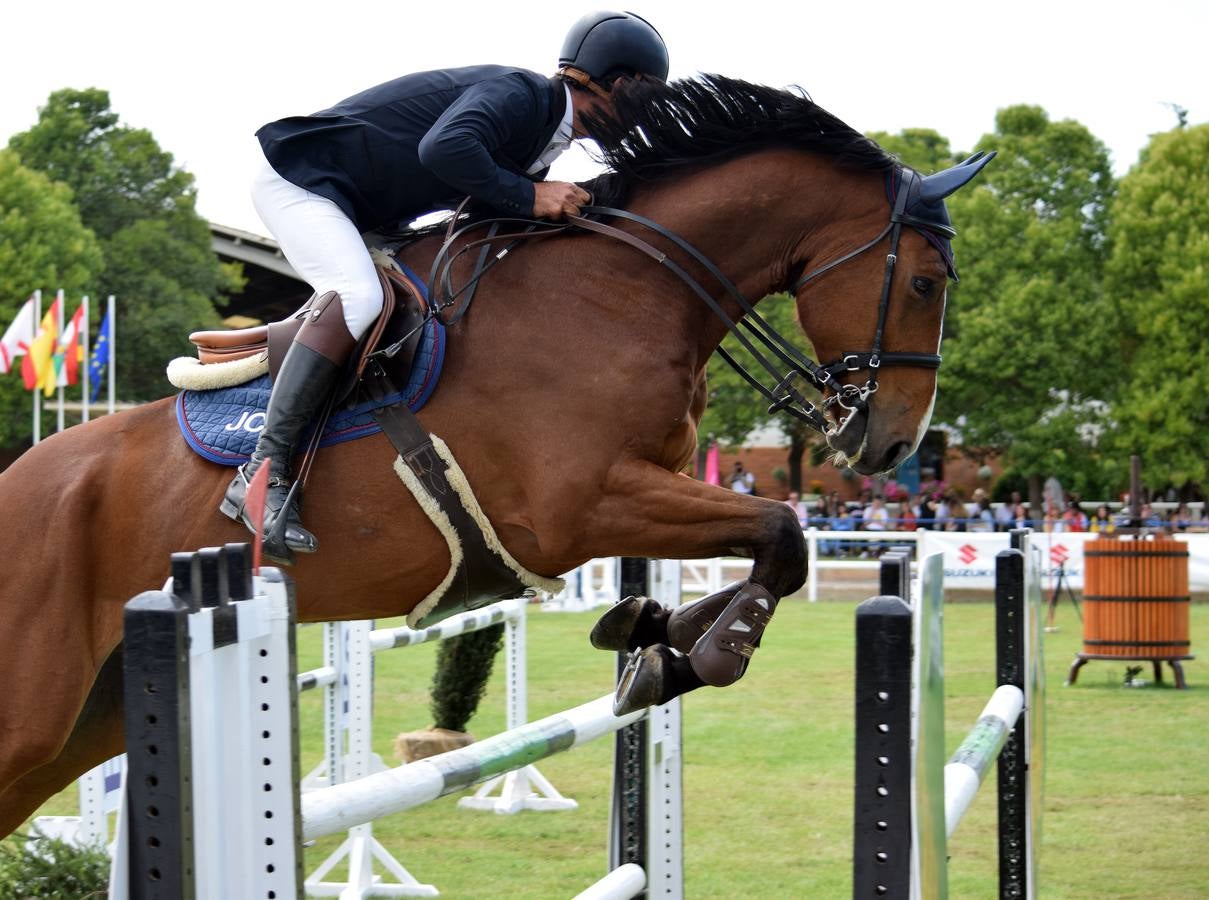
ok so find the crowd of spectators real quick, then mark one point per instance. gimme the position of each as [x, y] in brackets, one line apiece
[945, 510]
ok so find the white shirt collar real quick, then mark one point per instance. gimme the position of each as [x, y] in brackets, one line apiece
[559, 141]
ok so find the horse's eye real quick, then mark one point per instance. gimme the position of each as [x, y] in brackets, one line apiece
[922, 286]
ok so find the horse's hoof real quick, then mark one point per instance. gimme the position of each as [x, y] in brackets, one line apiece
[645, 681]
[629, 624]
[688, 622]
[720, 656]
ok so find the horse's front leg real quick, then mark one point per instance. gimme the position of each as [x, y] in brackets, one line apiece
[649, 511]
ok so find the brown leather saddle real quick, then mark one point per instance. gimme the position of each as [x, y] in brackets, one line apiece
[391, 341]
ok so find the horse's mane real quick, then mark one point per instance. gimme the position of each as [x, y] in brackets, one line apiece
[656, 129]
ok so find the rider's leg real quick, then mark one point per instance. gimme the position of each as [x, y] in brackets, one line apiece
[325, 248]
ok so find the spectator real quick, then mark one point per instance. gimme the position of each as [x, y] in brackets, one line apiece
[1102, 522]
[927, 511]
[944, 513]
[1021, 517]
[1006, 513]
[795, 503]
[1052, 523]
[820, 518]
[1182, 518]
[907, 518]
[876, 517]
[741, 480]
[982, 519]
[1073, 519]
[1150, 518]
[972, 508]
[843, 522]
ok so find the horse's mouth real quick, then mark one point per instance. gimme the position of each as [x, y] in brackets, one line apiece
[852, 449]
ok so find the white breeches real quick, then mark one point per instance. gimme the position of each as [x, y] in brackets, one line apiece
[321, 243]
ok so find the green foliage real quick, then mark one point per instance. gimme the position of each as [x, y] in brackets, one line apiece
[119, 174]
[1029, 328]
[59, 871]
[1159, 272]
[922, 149]
[463, 669]
[158, 259]
[43, 244]
[735, 409]
[734, 406]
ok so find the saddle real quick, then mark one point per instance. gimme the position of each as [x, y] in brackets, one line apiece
[396, 333]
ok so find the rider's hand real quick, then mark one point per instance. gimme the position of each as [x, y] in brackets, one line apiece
[555, 199]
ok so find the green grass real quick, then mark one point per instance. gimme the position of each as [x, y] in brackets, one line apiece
[768, 771]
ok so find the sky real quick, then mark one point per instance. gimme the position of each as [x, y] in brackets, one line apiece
[203, 77]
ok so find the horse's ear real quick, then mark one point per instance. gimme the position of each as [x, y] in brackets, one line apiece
[941, 184]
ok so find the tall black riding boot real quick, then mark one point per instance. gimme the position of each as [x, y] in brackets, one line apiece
[307, 377]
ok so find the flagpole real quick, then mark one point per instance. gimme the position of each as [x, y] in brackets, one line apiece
[62, 298]
[85, 398]
[37, 388]
[113, 356]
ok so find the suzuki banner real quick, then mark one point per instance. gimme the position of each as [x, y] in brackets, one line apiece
[969, 557]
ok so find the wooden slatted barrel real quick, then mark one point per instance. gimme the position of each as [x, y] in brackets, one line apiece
[1135, 604]
[1136, 599]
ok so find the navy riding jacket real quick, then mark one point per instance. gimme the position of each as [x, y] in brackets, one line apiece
[422, 142]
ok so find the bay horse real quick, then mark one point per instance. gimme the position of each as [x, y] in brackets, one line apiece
[570, 397]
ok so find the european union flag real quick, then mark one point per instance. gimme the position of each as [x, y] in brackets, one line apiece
[100, 359]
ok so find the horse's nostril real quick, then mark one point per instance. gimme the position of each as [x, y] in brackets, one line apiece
[898, 453]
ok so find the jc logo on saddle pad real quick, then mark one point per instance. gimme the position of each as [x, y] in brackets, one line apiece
[222, 425]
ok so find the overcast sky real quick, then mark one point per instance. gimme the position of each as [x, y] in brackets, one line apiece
[204, 80]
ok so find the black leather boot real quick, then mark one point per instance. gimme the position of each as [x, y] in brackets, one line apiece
[307, 377]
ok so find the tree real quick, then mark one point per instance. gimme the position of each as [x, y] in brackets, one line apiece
[1028, 328]
[1159, 272]
[735, 409]
[43, 245]
[922, 149]
[156, 248]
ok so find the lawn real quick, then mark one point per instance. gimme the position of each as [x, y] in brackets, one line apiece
[768, 770]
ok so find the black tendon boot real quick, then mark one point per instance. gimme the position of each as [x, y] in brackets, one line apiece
[307, 377]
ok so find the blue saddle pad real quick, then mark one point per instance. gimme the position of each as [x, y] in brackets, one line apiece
[222, 425]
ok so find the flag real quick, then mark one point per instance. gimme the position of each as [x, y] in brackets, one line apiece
[19, 336]
[38, 369]
[712, 476]
[69, 353]
[100, 359]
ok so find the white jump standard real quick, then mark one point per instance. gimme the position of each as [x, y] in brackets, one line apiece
[186, 834]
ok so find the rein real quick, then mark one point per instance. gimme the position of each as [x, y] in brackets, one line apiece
[794, 374]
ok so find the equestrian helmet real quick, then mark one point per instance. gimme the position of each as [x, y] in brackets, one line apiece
[608, 44]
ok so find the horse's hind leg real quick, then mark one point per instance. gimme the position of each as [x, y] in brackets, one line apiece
[96, 737]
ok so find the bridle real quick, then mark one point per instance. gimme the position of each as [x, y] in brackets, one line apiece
[849, 397]
[793, 372]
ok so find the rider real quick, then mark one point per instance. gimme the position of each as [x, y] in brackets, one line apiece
[391, 154]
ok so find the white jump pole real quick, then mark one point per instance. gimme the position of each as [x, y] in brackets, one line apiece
[965, 771]
[342, 806]
[622, 883]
